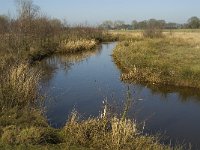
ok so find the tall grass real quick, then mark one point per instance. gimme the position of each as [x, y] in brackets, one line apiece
[77, 45]
[108, 132]
[18, 84]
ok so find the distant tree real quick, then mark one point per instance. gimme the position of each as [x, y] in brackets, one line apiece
[161, 23]
[142, 24]
[134, 24]
[194, 23]
[108, 24]
[153, 23]
[127, 27]
[172, 25]
[119, 24]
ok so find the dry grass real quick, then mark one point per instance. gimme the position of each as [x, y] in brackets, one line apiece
[173, 60]
[72, 46]
[18, 84]
[191, 37]
[99, 132]
[126, 35]
[109, 131]
[21, 117]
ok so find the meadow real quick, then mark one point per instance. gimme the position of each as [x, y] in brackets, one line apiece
[169, 60]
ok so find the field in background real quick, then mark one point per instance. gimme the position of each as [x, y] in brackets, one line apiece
[180, 33]
[170, 60]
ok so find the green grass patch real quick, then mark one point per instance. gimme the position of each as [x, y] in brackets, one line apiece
[168, 61]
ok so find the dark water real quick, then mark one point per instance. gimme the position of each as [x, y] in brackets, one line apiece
[84, 80]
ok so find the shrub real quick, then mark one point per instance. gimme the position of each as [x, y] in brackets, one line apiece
[153, 32]
[154, 29]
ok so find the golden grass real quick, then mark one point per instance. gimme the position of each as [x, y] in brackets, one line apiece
[72, 46]
[191, 37]
[19, 85]
[108, 133]
[126, 35]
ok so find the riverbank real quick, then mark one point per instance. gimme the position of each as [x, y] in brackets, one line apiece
[30, 37]
[172, 60]
[70, 45]
[94, 133]
[24, 126]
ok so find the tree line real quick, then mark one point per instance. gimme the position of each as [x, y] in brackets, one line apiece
[192, 23]
[36, 35]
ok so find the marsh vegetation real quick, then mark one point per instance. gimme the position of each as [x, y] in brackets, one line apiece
[150, 56]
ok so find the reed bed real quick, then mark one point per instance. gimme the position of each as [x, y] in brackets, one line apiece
[18, 84]
[72, 46]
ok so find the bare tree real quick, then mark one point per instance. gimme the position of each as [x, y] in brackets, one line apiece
[27, 12]
[154, 28]
[26, 9]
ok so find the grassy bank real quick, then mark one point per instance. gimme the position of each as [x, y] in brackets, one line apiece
[172, 60]
[24, 126]
[96, 133]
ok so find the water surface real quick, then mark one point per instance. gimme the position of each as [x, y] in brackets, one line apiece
[82, 81]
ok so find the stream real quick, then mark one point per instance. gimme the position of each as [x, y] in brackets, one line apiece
[82, 81]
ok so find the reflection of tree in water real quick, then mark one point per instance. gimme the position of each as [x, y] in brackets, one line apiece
[64, 62]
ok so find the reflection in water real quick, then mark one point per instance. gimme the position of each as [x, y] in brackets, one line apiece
[183, 93]
[83, 80]
[64, 62]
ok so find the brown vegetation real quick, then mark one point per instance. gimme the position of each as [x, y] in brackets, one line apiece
[30, 37]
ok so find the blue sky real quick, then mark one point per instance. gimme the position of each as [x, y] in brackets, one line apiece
[95, 11]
